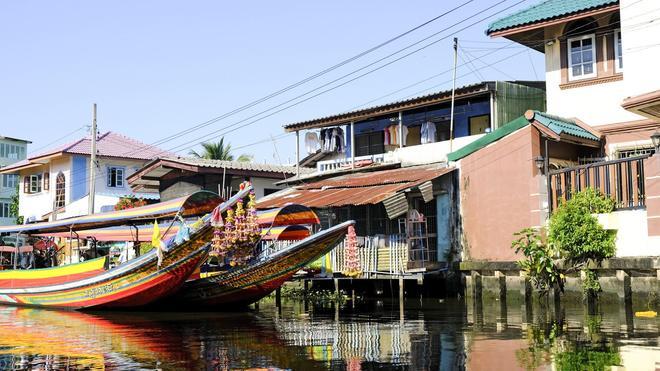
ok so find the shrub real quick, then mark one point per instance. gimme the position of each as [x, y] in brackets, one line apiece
[538, 264]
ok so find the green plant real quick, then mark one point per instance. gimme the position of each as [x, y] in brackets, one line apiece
[219, 151]
[577, 234]
[13, 206]
[539, 264]
[590, 284]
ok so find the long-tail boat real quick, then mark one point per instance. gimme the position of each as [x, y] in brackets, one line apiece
[93, 284]
[245, 284]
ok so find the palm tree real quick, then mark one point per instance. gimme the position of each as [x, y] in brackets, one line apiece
[219, 151]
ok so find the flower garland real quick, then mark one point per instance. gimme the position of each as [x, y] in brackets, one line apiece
[236, 237]
[353, 268]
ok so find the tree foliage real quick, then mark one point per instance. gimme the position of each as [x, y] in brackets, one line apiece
[219, 151]
[13, 206]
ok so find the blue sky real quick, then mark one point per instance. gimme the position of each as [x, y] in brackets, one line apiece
[158, 67]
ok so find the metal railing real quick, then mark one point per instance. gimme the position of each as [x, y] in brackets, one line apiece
[621, 180]
[344, 163]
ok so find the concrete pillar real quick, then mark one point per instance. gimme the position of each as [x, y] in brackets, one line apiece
[502, 315]
[278, 297]
[652, 190]
[625, 289]
[336, 285]
[401, 289]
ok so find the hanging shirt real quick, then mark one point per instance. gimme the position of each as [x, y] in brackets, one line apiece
[428, 132]
[311, 142]
[404, 134]
[387, 136]
[393, 135]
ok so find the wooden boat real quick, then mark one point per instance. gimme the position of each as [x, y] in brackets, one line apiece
[92, 284]
[244, 285]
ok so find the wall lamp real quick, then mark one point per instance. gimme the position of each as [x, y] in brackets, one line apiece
[655, 138]
[539, 161]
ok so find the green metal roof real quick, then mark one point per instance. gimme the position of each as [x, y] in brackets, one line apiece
[563, 126]
[546, 10]
[489, 138]
[557, 124]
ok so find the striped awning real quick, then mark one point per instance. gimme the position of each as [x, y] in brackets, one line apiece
[139, 233]
[287, 215]
[196, 204]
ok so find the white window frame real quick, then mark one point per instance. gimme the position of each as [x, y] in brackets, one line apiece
[593, 57]
[618, 53]
[119, 180]
[5, 210]
[9, 181]
[36, 180]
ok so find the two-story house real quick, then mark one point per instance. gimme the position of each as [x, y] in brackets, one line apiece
[599, 59]
[54, 184]
[11, 150]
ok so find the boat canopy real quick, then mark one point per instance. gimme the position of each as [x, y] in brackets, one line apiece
[198, 203]
[287, 215]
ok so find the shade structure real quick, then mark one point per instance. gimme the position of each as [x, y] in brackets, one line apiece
[355, 189]
[195, 204]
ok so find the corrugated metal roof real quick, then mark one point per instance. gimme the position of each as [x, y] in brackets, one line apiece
[411, 103]
[238, 165]
[355, 189]
[546, 10]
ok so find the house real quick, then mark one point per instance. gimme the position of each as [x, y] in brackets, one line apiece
[395, 180]
[173, 177]
[54, 184]
[600, 130]
[11, 151]
[599, 62]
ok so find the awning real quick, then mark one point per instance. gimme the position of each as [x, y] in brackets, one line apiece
[196, 204]
[355, 189]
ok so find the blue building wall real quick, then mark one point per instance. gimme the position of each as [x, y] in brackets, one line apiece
[78, 177]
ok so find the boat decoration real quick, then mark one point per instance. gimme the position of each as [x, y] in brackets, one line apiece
[93, 284]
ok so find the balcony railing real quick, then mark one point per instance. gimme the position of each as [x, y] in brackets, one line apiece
[621, 180]
[345, 163]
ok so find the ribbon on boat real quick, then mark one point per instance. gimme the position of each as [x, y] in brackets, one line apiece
[157, 243]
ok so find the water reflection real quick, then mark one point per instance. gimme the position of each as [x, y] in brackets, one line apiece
[427, 335]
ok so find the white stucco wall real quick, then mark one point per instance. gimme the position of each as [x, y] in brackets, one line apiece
[632, 234]
[640, 31]
[37, 205]
[593, 104]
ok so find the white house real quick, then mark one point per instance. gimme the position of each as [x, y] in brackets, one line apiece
[600, 60]
[55, 183]
[11, 151]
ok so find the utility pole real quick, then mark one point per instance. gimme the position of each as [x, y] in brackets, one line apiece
[453, 96]
[92, 165]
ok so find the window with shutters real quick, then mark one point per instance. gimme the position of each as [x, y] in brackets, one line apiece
[34, 183]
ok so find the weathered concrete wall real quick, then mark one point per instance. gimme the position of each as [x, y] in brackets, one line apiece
[500, 192]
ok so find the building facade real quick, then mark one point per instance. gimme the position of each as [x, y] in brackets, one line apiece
[55, 184]
[11, 150]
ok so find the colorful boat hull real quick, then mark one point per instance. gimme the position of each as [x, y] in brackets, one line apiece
[246, 285]
[133, 284]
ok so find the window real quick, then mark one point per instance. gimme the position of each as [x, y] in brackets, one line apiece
[9, 181]
[4, 210]
[581, 57]
[634, 152]
[369, 144]
[618, 51]
[60, 186]
[479, 124]
[115, 177]
[35, 183]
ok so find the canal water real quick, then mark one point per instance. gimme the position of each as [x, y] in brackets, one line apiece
[426, 334]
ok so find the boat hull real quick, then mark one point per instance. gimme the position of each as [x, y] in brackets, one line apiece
[133, 284]
[246, 285]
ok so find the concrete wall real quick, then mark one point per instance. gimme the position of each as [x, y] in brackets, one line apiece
[632, 232]
[428, 153]
[500, 194]
[652, 188]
